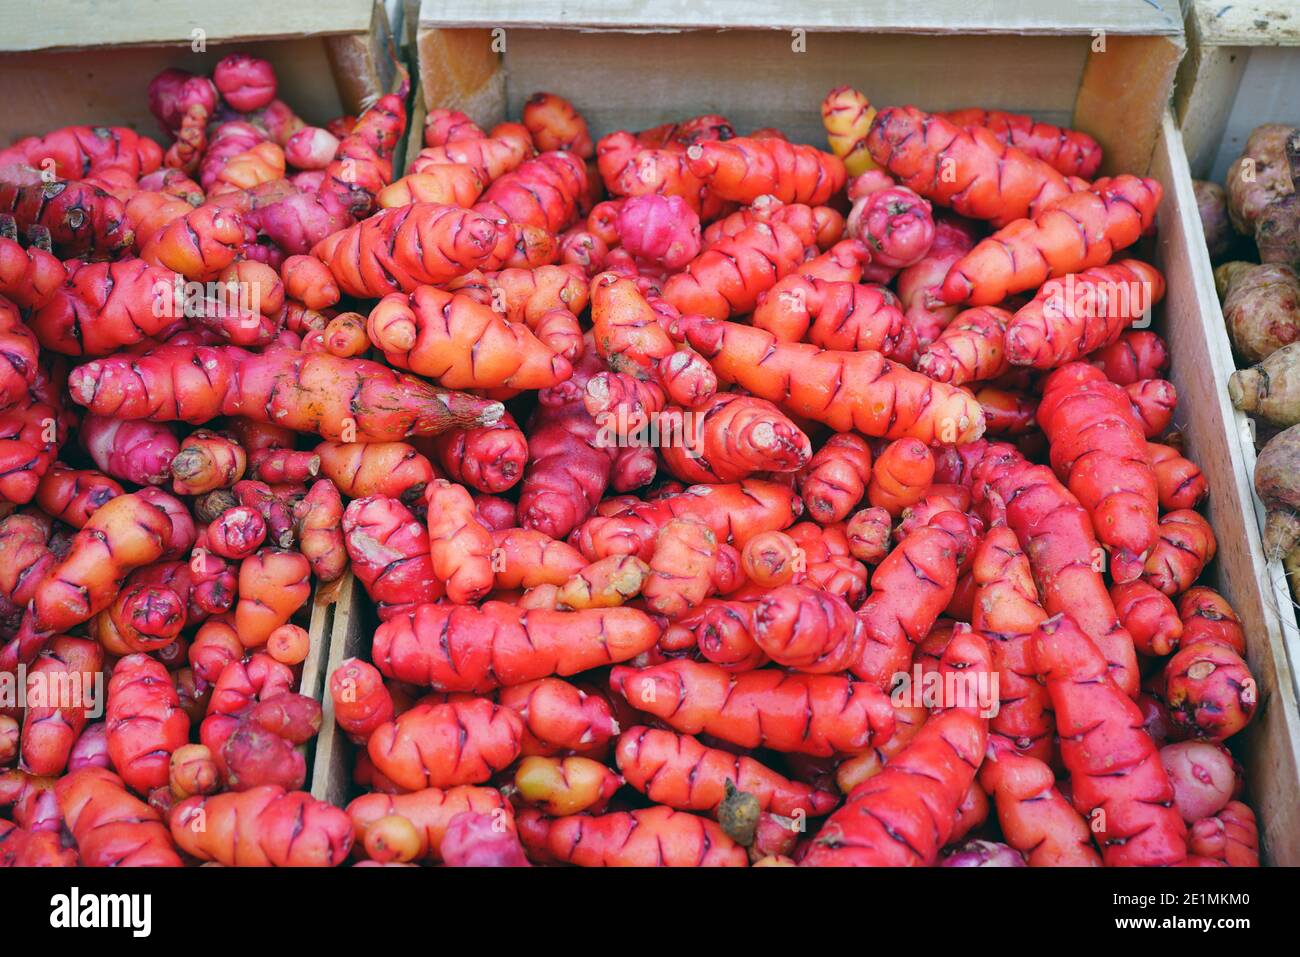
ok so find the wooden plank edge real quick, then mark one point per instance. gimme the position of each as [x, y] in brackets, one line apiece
[331, 772]
[68, 25]
[1245, 23]
[937, 17]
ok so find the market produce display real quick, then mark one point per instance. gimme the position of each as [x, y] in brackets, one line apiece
[1252, 231]
[721, 500]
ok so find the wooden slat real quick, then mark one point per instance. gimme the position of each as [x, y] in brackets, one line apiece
[1036, 17]
[331, 773]
[1124, 94]
[461, 70]
[87, 24]
[1241, 70]
[1252, 23]
[1201, 363]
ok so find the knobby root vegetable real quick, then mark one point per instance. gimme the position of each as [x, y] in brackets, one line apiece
[309, 281]
[563, 786]
[1056, 534]
[1152, 402]
[134, 451]
[728, 278]
[67, 670]
[1077, 314]
[1006, 612]
[207, 460]
[1207, 616]
[1259, 307]
[680, 772]
[743, 169]
[627, 330]
[730, 437]
[1260, 176]
[845, 315]
[318, 525]
[1185, 546]
[807, 629]
[1078, 232]
[524, 558]
[1271, 388]
[339, 399]
[82, 219]
[104, 306]
[461, 343]
[1097, 443]
[490, 458]
[896, 225]
[489, 156]
[848, 391]
[651, 837]
[560, 718]
[1231, 836]
[1209, 689]
[1179, 480]
[907, 812]
[362, 702]
[835, 479]
[390, 469]
[847, 116]
[606, 583]
[273, 584]
[445, 745]
[29, 277]
[807, 714]
[735, 512]
[1202, 776]
[910, 589]
[73, 495]
[464, 648]
[127, 532]
[1035, 817]
[902, 474]
[406, 247]
[970, 169]
[262, 827]
[1116, 780]
[683, 567]
[1134, 356]
[771, 559]
[389, 551]
[431, 811]
[460, 546]
[477, 840]
[145, 722]
[254, 757]
[111, 827]
[1070, 152]
[569, 459]
[972, 347]
[1149, 616]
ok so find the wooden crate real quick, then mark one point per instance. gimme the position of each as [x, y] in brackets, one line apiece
[1242, 69]
[86, 61]
[1107, 68]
